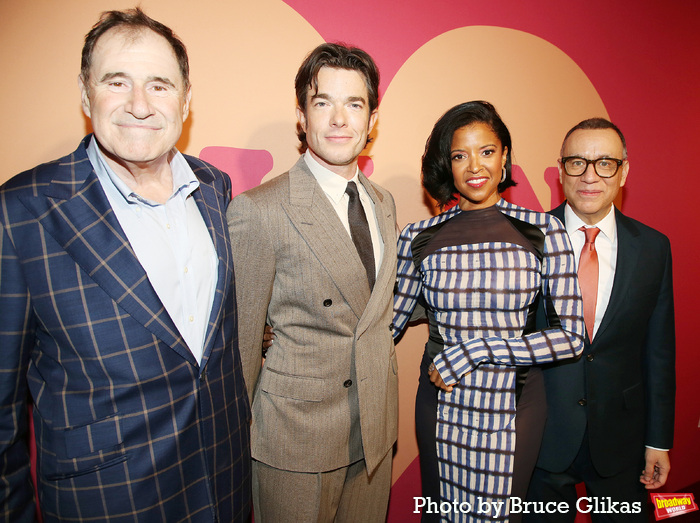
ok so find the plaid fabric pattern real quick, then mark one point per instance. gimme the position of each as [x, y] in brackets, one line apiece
[480, 295]
[128, 426]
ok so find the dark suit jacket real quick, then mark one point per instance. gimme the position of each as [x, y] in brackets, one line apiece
[327, 394]
[623, 385]
[127, 423]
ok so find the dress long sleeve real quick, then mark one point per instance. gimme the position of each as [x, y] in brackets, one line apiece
[408, 283]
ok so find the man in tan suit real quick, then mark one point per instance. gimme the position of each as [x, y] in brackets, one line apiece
[315, 257]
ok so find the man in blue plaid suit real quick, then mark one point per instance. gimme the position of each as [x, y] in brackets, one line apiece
[118, 308]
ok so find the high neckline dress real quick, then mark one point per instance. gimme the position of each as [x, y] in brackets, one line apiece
[479, 275]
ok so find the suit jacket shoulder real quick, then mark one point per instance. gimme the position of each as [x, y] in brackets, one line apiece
[69, 173]
[629, 225]
[209, 174]
[272, 192]
[637, 228]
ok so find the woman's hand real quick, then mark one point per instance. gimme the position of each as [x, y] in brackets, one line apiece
[268, 339]
[436, 379]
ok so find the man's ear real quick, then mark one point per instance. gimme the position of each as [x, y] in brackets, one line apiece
[301, 118]
[372, 120]
[623, 175]
[84, 96]
[560, 166]
[186, 105]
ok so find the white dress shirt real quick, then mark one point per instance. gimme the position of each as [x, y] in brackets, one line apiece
[334, 186]
[605, 246]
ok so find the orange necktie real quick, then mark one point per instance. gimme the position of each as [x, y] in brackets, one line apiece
[588, 278]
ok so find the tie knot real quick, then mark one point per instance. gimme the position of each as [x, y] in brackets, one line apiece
[591, 233]
[351, 190]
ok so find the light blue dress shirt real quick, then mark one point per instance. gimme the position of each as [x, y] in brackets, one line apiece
[172, 243]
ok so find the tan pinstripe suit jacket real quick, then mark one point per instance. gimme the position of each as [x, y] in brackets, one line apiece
[327, 394]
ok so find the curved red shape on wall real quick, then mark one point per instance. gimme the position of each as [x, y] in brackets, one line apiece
[245, 167]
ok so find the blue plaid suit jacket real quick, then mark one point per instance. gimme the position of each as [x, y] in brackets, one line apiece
[128, 426]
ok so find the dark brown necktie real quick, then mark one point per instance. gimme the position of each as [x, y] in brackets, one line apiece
[588, 278]
[359, 230]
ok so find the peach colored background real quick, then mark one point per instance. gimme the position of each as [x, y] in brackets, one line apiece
[544, 65]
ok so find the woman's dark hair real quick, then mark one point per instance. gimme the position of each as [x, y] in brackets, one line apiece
[437, 161]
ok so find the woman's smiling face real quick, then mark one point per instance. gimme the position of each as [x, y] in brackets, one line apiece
[478, 159]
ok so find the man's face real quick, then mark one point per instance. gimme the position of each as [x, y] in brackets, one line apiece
[135, 98]
[589, 195]
[337, 119]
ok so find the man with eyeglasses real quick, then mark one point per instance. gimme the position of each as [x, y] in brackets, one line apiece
[610, 411]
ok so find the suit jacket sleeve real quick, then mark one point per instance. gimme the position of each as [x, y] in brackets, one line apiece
[659, 357]
[16, 342]
[560, 286]
[254, 271]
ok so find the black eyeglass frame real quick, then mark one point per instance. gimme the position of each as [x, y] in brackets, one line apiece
[565, 159]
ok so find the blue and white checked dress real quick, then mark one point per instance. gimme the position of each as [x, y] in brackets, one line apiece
[477, 296]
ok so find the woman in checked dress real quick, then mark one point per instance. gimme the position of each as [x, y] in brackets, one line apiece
[481, 269]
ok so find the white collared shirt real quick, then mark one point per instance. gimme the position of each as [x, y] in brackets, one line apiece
[334, 186]
[605, 246]
[172, 243]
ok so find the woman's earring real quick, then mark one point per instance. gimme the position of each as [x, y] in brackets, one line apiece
[503, 178]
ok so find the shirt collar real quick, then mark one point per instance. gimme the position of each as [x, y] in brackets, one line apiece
[184, 180]
[607, 225]
[332, 184]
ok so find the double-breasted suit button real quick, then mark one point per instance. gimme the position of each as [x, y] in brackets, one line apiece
[347, 383]
[582, 402]
[589, 357]
[327, 302]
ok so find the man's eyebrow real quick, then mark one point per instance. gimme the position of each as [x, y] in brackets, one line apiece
[119, 74]
[109, 76]
[162, 80]
[325, 96]
[357, 99]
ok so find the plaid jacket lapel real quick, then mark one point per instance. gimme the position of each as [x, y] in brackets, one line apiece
[75, 212]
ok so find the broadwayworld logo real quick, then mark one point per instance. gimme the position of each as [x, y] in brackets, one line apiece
[671, 505]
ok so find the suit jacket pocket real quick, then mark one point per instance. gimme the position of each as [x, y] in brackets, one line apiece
[290, 386]
[86, 448]
[101, 435]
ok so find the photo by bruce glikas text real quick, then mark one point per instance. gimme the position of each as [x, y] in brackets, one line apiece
[486, 507]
